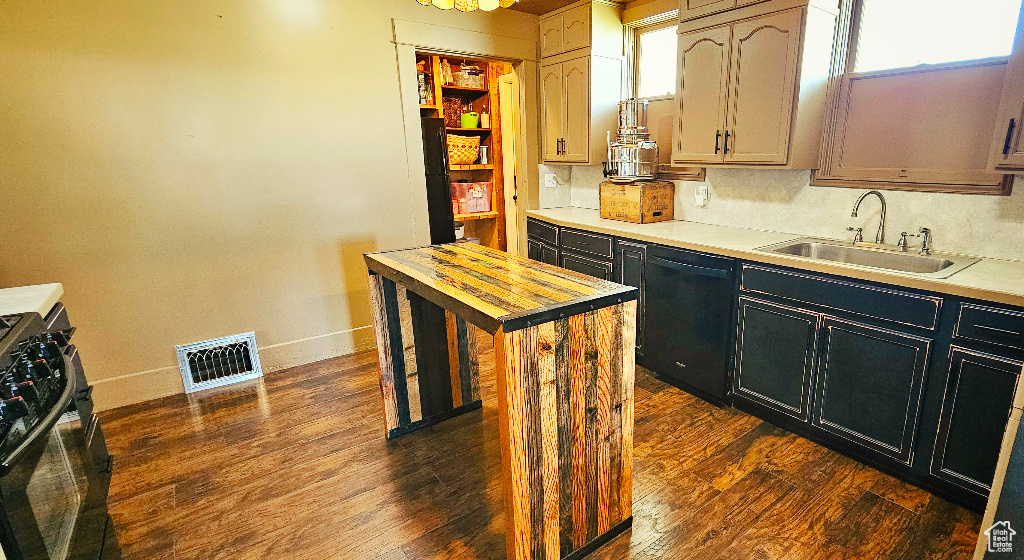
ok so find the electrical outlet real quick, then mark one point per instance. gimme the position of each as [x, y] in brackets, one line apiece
[550, 180]
[700, 196]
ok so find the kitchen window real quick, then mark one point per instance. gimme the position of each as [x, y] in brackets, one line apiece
[656, 60]
[903, 33]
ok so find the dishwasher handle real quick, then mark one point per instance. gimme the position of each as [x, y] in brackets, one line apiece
[690, 268]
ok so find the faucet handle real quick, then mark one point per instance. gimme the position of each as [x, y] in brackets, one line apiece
[903, 242]
[926, 241]
[857, 237]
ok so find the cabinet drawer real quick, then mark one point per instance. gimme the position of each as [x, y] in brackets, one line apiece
[587, 243]
[591, 267]
[542, 231]
[837, 295]
[989, 324]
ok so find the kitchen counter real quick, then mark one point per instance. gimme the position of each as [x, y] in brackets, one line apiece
[992, 280]
[23, 299]
[564, 346]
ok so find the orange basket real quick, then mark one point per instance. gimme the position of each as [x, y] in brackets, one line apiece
[463, 150]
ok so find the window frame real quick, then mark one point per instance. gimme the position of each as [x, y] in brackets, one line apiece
[632, 39]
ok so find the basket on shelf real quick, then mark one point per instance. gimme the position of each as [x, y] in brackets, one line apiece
[463, 150]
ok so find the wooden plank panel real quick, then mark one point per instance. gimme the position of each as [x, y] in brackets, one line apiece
[469, 361]
[511, 405]
[452, 337]
[590, 429]
[578, 414]
[397, 351]
[628, 381]
[547, 341]
[412, 382]
[615, 416]
[532, 436]
[387, 374]
[601, 402]
[565, 439]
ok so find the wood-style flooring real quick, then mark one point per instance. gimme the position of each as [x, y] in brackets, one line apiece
[296, 466]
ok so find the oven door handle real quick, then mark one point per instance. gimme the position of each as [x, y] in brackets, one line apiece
[44, 426]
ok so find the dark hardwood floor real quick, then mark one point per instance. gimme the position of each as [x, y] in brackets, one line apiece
[296, 466]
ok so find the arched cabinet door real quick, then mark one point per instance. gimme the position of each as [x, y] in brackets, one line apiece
[701, 95]
[552, 109]
[576, 88]
[762, 87]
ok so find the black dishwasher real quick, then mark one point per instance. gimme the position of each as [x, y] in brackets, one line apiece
[688, 321]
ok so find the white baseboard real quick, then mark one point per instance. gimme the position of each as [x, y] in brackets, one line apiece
[161, 382]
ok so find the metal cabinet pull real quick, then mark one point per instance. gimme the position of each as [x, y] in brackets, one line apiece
[681, 364]
[718, 135]
[1009, 136]
[726, 150]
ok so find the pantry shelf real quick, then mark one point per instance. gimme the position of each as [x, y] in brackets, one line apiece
[475, 216]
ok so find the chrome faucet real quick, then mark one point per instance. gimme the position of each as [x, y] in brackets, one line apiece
[880, 236]
[926, 241]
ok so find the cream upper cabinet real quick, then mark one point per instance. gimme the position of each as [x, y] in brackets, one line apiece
[701, 95]
[576, 99]
[565, 31]
[576, 28]
[551, 36]
[1007, 151]
[752, 86]
[553, 111]
[692, 9]
[762, 81]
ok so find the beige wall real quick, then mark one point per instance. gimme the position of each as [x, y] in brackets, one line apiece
[191, 169]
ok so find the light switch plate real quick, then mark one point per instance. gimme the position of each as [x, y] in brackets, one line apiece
[550, 180]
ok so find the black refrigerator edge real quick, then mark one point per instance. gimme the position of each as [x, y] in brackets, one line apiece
[439, 190]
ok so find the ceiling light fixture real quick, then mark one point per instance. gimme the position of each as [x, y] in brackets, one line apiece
[468, 5]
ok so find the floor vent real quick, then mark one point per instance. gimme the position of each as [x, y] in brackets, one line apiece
[218, 362]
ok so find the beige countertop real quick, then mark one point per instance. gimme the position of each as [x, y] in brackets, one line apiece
[23, 299]
[992, 280]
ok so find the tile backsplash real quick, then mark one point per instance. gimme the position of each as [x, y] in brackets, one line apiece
[783, 200]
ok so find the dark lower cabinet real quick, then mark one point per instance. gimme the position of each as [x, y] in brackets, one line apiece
[689, 298]
[630, 264]
[975, 410]
[869, 385]
[542, 252]
[586, 265]
[775, 356]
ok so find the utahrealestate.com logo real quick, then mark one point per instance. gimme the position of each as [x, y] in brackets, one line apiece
[1000, 537]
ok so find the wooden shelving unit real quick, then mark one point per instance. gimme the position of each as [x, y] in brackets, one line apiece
[489, 227]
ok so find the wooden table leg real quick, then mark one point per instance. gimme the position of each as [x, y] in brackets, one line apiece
[424, 378]
[565, 408]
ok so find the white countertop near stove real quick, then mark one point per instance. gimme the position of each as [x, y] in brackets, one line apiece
[23, 299]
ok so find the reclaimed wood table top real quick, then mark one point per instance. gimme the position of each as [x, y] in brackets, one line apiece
[493, 289]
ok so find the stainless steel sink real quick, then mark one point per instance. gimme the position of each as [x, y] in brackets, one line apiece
[935, 265]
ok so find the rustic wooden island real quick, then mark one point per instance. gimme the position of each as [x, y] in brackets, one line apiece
[564, 351]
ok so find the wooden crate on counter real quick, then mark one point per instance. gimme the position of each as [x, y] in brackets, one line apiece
[638, 202]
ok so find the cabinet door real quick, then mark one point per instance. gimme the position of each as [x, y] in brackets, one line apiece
[975, 409]
[690, 9]
[576, 101]
[701, 92]
[541, 252]
[591, 267]
[576, 28]
[775, 356]
[630, 262]
[765, 52]
[553, 110]
[1007, 152]
[689, 322]
[868, 386]
[551, 35]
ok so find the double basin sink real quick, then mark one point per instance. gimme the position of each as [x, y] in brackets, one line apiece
[874, 256]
